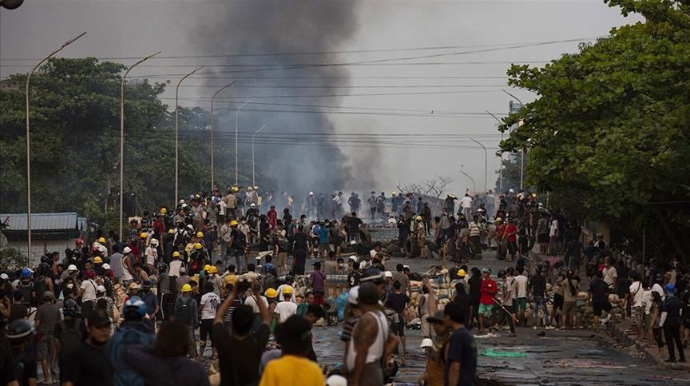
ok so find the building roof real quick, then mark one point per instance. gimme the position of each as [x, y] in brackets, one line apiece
[40, 221]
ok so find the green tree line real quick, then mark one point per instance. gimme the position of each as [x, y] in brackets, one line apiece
[75, 134]
[609, 133]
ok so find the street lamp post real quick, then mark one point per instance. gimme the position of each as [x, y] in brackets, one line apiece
[486, 162]
[500, 170]
[474, 187]
[237, 113]
[213, 99]
[122, 133]
[253, 137]
[522, 151]
[177, 132]
[28, 145]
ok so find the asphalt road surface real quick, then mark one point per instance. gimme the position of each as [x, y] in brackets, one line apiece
[559, 358]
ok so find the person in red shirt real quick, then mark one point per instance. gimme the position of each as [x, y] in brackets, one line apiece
[510, 234]
[272, 217]
[487, 292]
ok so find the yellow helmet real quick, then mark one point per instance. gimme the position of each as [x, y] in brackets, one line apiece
[186, 288]
[287, 290]
[271, 293]
[97, 260]
[213, 269]
[534, 195]
[199, 235]
[176, 254]
[233, 223]
[498, 219]
[101, 240]
[462, 273]
[163, 211]
[235, 189]
[144, 235]
[207, 267]
[198, 246]
[418, 218]
[171, 231]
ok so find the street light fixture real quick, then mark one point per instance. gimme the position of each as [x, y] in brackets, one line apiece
[122, 133]
[213, 99]
[237, 113]
[474, 187]
[500, 170]
[253, 137]
[177, 132]
[486, 162]
[28, 144]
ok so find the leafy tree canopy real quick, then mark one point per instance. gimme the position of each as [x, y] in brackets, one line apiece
[611, 124]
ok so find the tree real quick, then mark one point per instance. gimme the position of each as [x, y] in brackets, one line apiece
[611, 124]
[75, 126]
[433, 187]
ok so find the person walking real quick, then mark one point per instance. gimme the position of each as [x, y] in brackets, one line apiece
[186, 312]
[47, 316]
[670, 322]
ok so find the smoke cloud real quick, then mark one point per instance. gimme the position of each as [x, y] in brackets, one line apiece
[282, 27]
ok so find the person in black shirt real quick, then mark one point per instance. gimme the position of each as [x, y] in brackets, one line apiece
[354, 277]
[599, 296]
[537, 287]
[89, 365]
[398, 303]
[475, 283]
[239, 353]
[23, 366]
[670, 322]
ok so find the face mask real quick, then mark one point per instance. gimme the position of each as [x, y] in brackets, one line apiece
[70, 286]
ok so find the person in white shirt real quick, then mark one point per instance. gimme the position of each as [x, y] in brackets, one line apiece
[152, 253]
[250, 300]
[207, 307]
[637, 298]
[285, 309]
[280, 290]
[466, 205]
[520, 293]
[87, 292]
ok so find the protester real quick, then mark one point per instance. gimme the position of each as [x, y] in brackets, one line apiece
[461, 362]
[47, 316]
[90, 364]
[166, 363]
[239, 353]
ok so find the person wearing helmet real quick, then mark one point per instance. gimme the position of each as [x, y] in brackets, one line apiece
[208, 306]
[198, 258]
[128, 271]
[22, 368]
[133, 331]
[68, 334]
[286, 308]
[186, 312]
[238, 244]
[670, 322]
[231, 204]
[151, 253]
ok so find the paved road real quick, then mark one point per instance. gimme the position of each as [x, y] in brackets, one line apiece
[559, 358]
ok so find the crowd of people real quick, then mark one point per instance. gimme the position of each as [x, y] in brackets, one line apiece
[214, 280]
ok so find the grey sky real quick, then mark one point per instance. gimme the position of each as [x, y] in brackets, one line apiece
[137, 28]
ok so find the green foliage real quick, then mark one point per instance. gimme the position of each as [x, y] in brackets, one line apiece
[11, 259]
[610, 126]
[75, 136]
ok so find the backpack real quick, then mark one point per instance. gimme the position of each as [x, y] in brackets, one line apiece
[27, 290]
[117, 347]
[240, 240]
[70, 339]
[184, 310]
[40, 288]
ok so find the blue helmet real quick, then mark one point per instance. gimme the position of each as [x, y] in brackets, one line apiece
[670, 288]
[26, 272]
[135, 302]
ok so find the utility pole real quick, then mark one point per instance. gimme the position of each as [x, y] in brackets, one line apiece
[28, 135]
[177, 133]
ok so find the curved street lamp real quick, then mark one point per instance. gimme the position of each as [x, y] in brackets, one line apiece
[28, 144]
[253, 137]
[122, 134]
[474, 187]
[177, 132]
[213, 99]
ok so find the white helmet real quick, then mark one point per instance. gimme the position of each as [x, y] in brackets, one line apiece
[311, 193]
[72, 268]
[127, 250]
[253, 205]
[511, 191]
